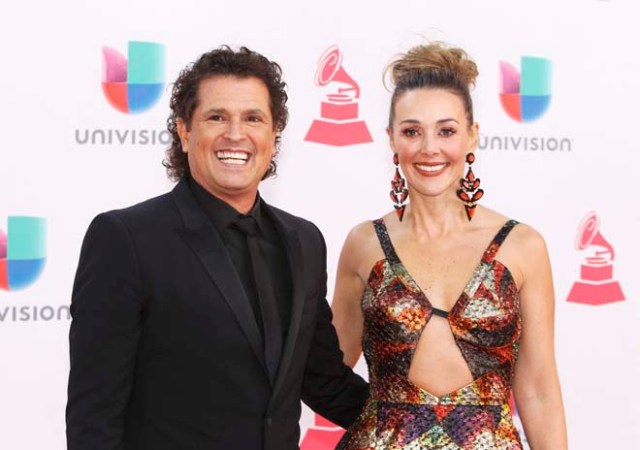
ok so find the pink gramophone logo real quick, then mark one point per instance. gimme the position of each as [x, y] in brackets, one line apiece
[323, 435]
[339, 124]
[596, 285]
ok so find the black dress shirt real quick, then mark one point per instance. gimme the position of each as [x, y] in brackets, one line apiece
[222, 215]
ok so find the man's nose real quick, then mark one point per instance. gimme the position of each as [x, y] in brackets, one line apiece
[234, 130]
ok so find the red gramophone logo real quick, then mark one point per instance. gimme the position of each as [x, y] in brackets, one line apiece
[339, 124]
[323, 435]
[596, 285]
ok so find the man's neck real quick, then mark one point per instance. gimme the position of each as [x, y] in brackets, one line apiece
[241, 202]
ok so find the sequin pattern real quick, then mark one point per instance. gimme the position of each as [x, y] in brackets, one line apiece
[486, 325]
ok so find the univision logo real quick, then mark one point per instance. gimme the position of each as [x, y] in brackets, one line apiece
[22, 252]
[526, 96]
[133, 85]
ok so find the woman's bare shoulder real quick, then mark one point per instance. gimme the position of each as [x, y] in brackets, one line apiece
[523, 236]
[361, 248]
[528, 241]
[361, 233]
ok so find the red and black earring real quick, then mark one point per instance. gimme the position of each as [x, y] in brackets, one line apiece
[469, 191]
[399, 191]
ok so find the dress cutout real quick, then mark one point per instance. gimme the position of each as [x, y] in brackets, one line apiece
[486, 325]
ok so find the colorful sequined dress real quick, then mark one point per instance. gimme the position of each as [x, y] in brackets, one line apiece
[486, 325]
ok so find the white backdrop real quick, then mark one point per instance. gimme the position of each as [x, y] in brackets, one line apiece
[50, 82]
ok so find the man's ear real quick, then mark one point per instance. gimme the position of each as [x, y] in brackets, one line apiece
[183, 133]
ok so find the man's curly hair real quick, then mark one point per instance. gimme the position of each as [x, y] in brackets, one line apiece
[222, 61]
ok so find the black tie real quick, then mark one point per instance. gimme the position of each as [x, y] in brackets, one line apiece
[264, 288]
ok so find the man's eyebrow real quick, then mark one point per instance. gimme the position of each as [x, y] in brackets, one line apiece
[214, 111]
[224, 111]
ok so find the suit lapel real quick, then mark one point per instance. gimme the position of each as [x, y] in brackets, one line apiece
[294, 254]
[201, 236]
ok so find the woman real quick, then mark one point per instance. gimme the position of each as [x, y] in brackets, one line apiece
[445, 295]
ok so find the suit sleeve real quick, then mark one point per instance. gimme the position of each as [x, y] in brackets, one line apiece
[106, 310]
[330, 387]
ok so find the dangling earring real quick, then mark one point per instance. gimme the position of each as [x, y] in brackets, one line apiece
[469, 192]
[399, 192]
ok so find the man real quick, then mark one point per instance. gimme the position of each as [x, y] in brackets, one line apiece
[199, 317]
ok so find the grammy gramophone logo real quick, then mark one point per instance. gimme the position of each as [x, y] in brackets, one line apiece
[322, 435]
[596, 285]
[338, 123]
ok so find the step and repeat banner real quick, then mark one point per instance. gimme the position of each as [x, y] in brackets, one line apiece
[567, 164]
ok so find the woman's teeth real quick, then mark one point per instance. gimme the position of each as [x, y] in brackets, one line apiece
[430, 168]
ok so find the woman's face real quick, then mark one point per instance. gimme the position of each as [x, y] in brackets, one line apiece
[431, 135]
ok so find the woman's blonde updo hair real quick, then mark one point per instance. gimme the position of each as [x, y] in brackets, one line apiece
[434, 66]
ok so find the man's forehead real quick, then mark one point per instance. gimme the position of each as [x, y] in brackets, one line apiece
[225, 80]
[221, 90]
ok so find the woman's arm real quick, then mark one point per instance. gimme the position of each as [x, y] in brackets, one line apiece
[347, 314]
[536, 385]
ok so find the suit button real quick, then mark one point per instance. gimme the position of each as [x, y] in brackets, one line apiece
[268, 421]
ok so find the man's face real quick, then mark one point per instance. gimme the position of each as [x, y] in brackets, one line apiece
[231, 138]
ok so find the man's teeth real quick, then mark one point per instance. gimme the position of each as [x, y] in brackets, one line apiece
[232, 157]
[234, 161]
[430, 168]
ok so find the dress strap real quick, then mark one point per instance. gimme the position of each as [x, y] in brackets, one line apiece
[385, 241]
[494, 246]
[440, 312]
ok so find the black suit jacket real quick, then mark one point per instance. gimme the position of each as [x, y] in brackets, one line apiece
[165, 350]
